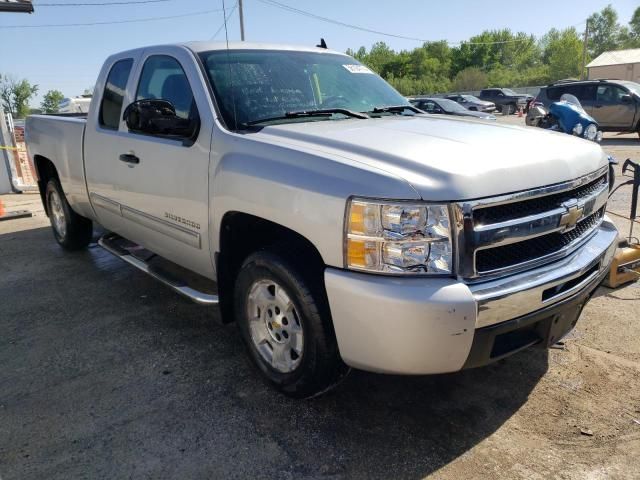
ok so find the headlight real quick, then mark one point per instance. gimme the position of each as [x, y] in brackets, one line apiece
[577, 130]
[599, 136]
[591, 131]
[398, 238]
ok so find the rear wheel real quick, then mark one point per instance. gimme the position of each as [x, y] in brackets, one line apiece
[71, 231]
[286, 326]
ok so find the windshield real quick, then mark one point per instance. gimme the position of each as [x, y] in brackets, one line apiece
[572, 99]
[251, 85]
[471, 98]
[632, 86]
[450, 106]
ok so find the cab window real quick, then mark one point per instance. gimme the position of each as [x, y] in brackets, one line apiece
[113, 95]
[163, 78]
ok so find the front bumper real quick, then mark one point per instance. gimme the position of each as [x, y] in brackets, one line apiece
[432, 325]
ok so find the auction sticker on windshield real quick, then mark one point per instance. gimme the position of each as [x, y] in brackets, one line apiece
[357, 68]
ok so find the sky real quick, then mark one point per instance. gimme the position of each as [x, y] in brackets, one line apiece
[69, 58]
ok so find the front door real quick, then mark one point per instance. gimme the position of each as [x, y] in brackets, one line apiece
[159, 184]
[610, 111]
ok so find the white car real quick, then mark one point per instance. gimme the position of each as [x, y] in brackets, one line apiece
[341, 226]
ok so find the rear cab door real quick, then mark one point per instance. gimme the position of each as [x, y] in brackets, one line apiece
[161, 200]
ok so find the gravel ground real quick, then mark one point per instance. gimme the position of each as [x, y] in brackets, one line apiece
[107, 374]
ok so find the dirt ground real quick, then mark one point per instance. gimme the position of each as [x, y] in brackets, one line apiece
[107, 374]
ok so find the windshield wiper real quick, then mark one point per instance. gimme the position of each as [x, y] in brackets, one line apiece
[396, 109]
[320, 112]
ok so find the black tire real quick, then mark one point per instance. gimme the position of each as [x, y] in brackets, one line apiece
[71, 231]
[320, 367]
[473, 109]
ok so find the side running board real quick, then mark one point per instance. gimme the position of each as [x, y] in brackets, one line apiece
[112, 243]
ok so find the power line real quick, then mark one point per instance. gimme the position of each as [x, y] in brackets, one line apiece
[151, 19]
[273, 3]
[289, 8]
[226, 19]
[96, 4]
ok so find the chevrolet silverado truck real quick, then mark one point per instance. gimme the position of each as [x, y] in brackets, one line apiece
[337, 224]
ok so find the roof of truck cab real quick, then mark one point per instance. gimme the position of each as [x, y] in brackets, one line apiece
[208, 46]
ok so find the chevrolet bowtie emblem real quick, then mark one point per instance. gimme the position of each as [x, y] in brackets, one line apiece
[573, 214]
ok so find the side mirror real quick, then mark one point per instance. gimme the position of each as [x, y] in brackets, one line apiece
[156, 117]
[626, 98]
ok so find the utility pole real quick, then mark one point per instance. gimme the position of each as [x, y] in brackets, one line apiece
[584, 51]
[241, 20]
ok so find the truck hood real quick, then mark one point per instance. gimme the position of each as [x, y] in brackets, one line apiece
[447, 158]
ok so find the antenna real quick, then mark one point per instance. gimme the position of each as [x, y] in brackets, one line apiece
[241, 20]
[233, 96]
[323, 44]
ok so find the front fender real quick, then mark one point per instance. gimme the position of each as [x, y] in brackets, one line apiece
[303, 191]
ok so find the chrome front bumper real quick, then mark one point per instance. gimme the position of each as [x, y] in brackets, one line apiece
[517, 295]
[435, 325]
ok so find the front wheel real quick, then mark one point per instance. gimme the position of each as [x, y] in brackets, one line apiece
[71, 231]
[286, 326]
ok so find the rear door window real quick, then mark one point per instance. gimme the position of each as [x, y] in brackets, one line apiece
[113, 95]
[583, 92]
[429, 106]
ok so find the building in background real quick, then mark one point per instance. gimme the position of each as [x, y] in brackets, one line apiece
[618, 64]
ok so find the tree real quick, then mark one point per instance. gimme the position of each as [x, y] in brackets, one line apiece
[562, 52]
[630, 36]
[634, 24]
[51, 101]
[471, 78]
[15, 95]
[604, 31]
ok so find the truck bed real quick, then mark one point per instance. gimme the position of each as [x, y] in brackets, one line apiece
[60, 138]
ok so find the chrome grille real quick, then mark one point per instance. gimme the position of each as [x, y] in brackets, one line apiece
[515, 232]
[537, 248]
[500, 213]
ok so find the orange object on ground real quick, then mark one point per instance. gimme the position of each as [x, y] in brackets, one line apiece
[4, 215]
[520, 112]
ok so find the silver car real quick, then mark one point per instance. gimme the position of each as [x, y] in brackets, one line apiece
[473, 103]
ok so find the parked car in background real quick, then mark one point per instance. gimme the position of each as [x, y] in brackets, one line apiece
[506, 100]
[473, 103]
[445, 106]
[614, 104]
[75, 104]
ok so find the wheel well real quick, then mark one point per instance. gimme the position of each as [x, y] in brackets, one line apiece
[242, 234]
[46, 171]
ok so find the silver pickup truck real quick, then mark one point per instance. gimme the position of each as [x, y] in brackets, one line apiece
[340, 226]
